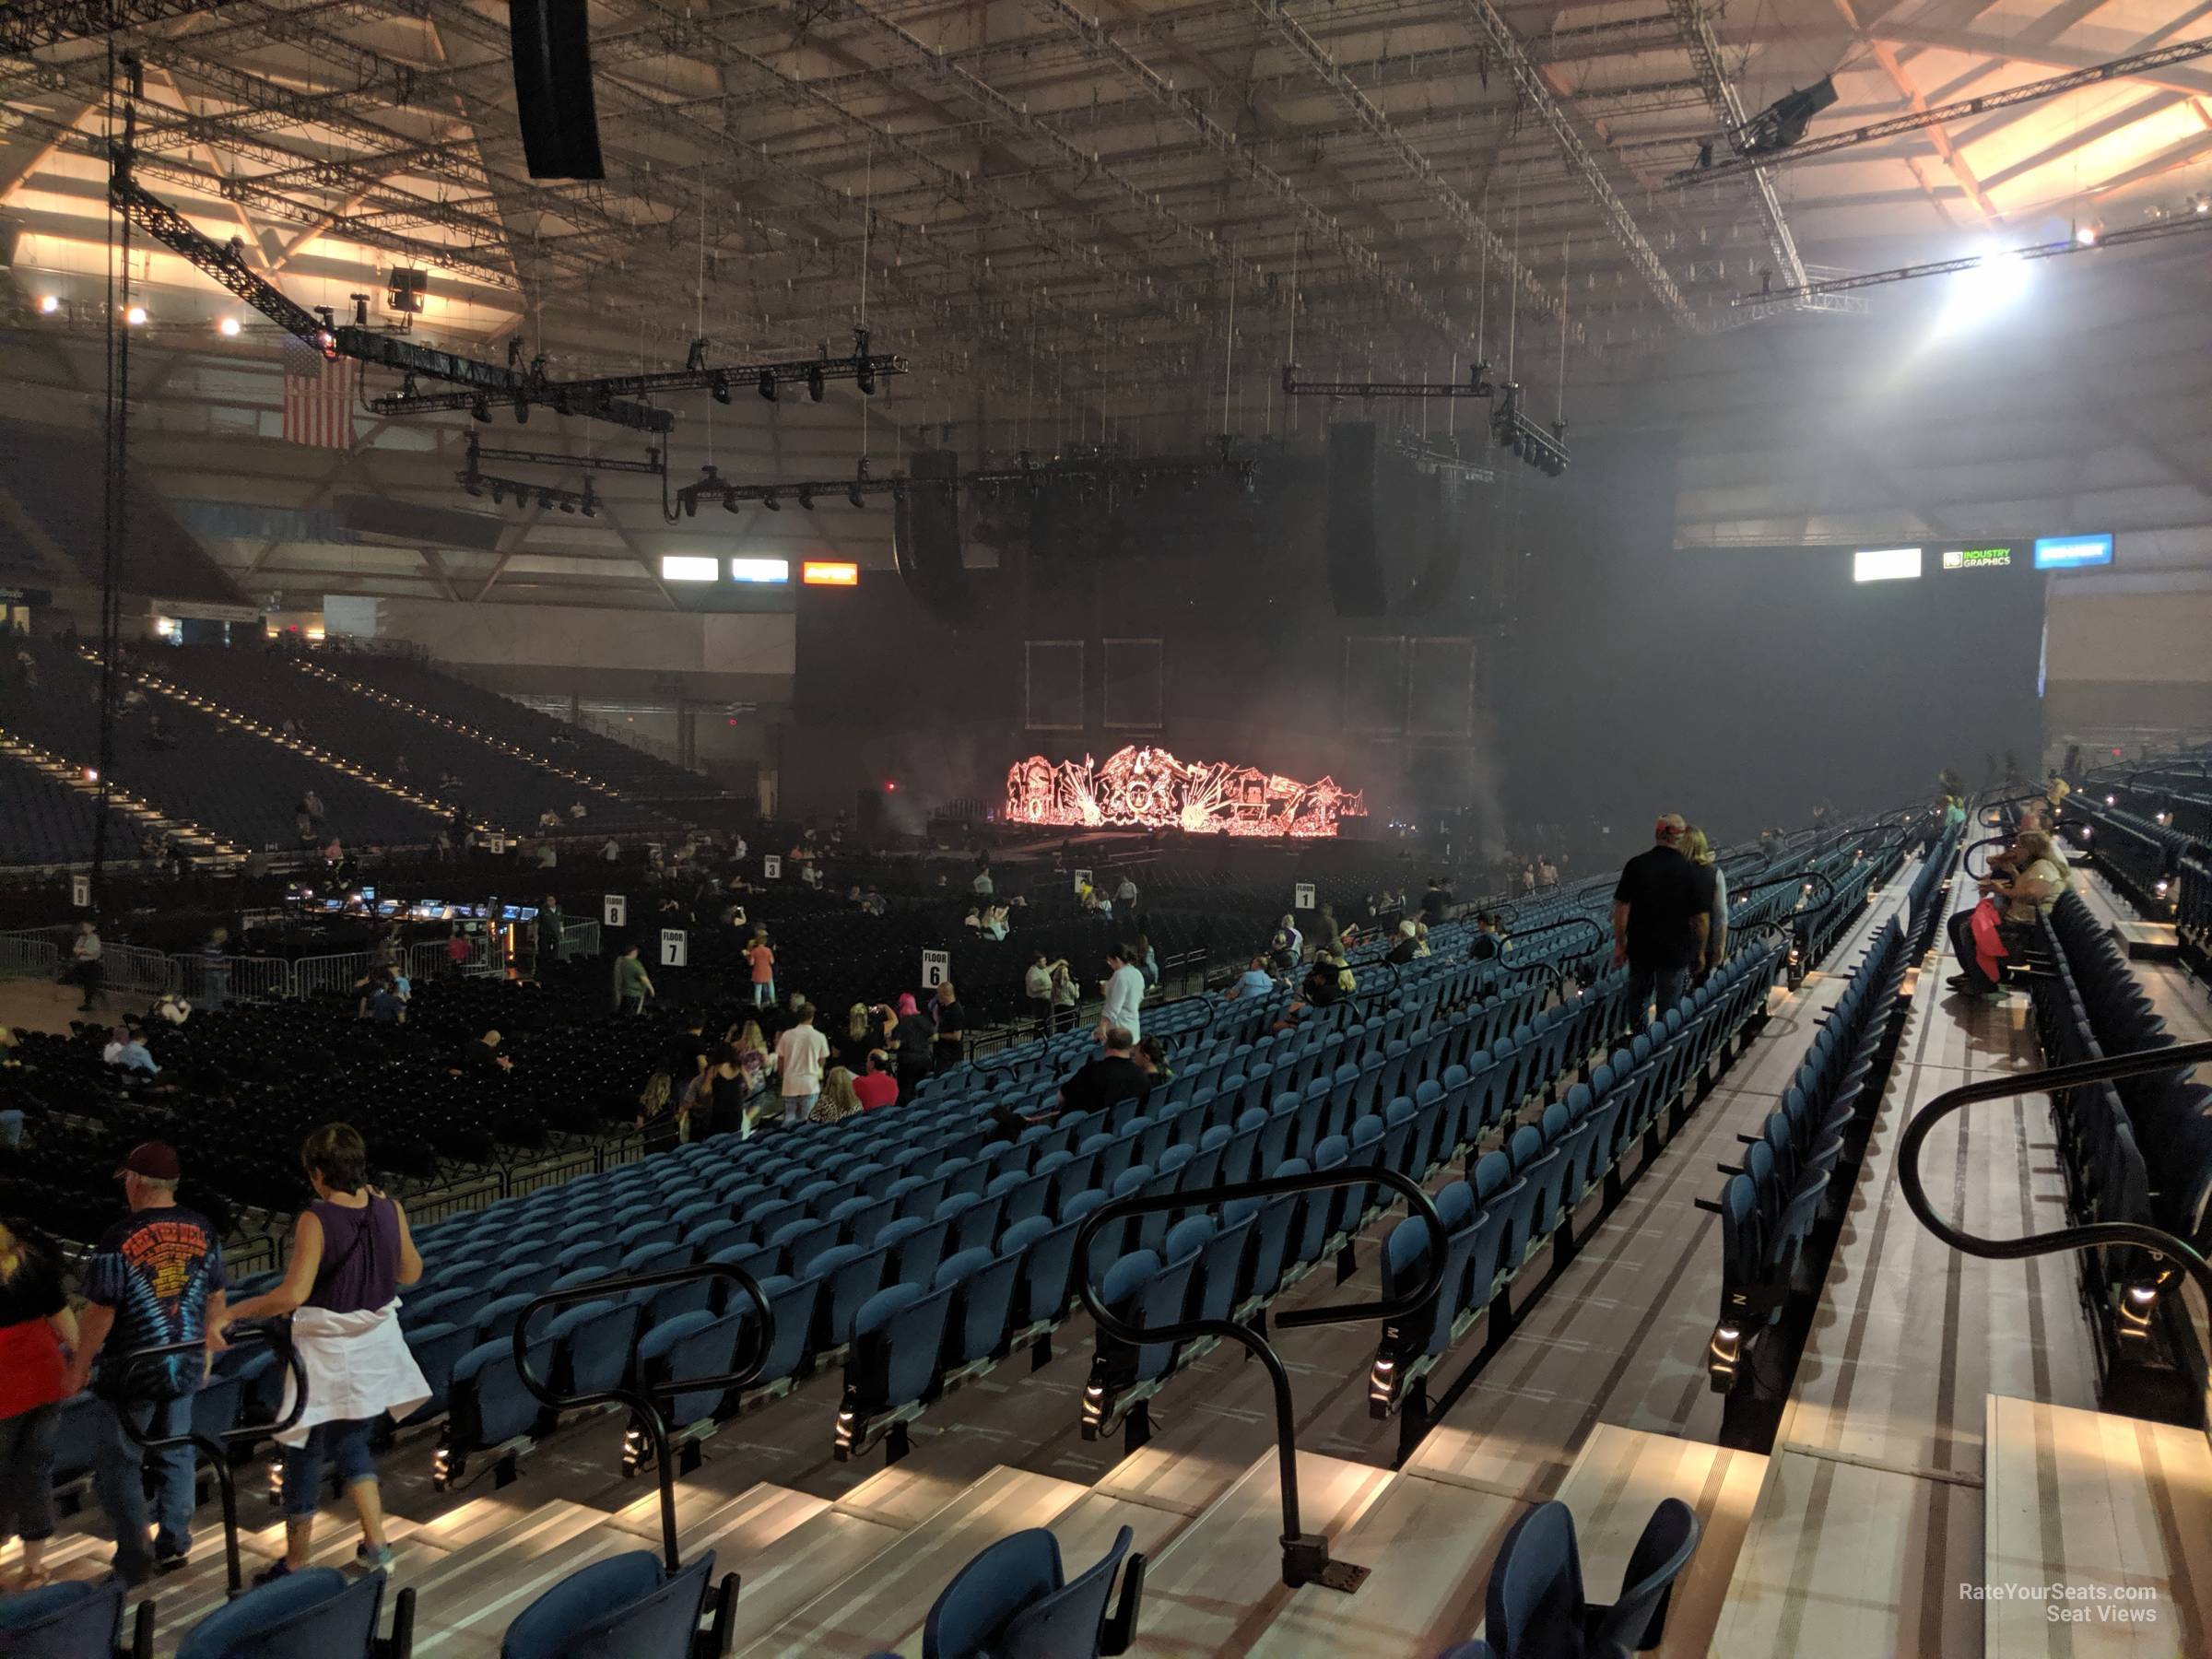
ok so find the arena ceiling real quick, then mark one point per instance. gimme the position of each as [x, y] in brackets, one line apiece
[1074, 224]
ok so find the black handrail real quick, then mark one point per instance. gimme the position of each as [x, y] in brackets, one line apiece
[1305, 1556]
[1973, 847]
[2096, 1235]
[1989, 806]
[640, 1400]
[1590, 921]
[212, 1445]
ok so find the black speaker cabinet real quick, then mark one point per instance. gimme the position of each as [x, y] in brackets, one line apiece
[553, 89]
[925, 535]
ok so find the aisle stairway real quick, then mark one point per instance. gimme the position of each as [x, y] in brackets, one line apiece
[143, 817]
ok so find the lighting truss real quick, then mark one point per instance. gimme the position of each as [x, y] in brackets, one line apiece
[862, 367]
[2086, 242]
[1512, 430]
[480, 453]
[1085, 469]
[2180, 51]
[1429, 461]
[525, 494]
[25, 26]
[225, 264]
[1476, 385]
[713, 487]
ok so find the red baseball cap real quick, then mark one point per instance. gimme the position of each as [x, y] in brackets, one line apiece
[156, 1160]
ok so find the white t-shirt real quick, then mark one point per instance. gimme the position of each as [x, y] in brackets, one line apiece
[799, 1055]
[1125, 990]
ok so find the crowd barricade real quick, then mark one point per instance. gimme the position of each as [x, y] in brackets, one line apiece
[22, 958]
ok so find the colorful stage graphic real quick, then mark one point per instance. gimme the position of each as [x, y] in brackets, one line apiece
[1149, 789]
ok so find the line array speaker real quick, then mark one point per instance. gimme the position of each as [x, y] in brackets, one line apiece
[553, 89]
[925, 535]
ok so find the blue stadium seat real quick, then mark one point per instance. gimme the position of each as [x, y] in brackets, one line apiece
[1013, 1602]
[319, 1613]
[628, 1605]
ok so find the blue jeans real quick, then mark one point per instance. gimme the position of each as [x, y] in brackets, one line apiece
[343, 1444]
[26, 1472]
[1647, 984]
[797, 1109]
[119, 1477]
[764, 994]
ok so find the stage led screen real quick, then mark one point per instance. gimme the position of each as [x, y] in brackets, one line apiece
[1144, 788]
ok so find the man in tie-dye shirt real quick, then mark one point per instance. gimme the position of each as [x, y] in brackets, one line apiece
[154, 1278]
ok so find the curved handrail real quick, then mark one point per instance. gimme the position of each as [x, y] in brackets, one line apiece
[1590, 922]
[1359, 999]
[1988, 806]
[1972, 848]
[2141, 1298]
[212, 1445]
[1802, 877]
[1305, 1558]
[640, 1400]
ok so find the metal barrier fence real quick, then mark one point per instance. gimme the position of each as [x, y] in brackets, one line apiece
[211, 980]
[28, 959]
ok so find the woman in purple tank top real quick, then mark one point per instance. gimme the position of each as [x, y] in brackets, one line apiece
[351, 1250]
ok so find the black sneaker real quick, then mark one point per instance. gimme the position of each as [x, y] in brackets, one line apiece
[167, 1564]
[270, 1574]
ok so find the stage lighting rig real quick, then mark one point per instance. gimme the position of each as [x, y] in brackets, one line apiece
[225, 264]
[1783, 123]
[1512, 430]
[479, 453]
[525, 493]
[712, 487]
[588, 396]
[1476, 385]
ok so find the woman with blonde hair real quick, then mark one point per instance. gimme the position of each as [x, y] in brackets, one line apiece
[1697, 846]
[836, 1098]
[36, 1328]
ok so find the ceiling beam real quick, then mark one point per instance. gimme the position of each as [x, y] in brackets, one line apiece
[1885, 54]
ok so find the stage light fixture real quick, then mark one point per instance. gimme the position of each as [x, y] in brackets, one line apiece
[480, 409]
[720, 386]
[729, 501]
[853, 495]
[50, 303]
[817, 382]
[135, 316]
[769, 500]
[474, 485]
[2087, 235]
[768, 385]
[864, 376]
[806, 497]
[228, 328]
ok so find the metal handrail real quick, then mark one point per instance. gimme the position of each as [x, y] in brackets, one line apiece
[1973, 847]
[1590, 921]
[1305, 1556]
[1989, 806]
[2141, 1296]
[212, 1445]
[640, 1400]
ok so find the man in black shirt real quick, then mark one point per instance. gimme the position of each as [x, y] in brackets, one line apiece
[1110, 1080]
[950, 1045]
[1661, 912]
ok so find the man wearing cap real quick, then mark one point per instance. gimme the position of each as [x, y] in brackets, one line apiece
[1660, 917]
[154, 1278]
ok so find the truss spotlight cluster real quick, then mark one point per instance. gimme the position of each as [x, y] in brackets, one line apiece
[1512, 430]
[524, 495]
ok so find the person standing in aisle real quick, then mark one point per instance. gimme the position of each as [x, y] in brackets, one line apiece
[351, 1253]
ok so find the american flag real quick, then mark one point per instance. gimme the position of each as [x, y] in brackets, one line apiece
[318, 396]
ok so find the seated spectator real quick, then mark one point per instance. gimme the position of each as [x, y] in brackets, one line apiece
[1287, 946]
[876, 1088]
[1113, 1076]
[576, 811]
[1406, 946]
[838, 1099]
[1490, 938]
[1151, 1056]
[482, 1055]
[383, 1003]
[2022, 894]
[125, 1049]
[548, 819]
[972, 921]
[1256, 981]
[172, 1009]
[995, 921]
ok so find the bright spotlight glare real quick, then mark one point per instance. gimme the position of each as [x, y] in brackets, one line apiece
[50, 303]
[228, 327]
[2086, 235]
[135, 316]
